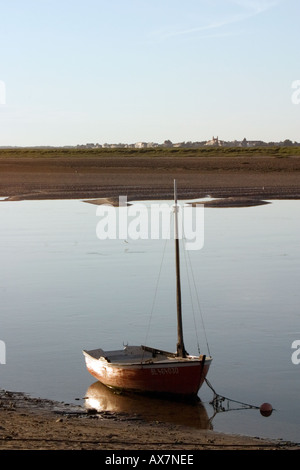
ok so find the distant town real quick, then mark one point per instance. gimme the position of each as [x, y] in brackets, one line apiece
[214, 142]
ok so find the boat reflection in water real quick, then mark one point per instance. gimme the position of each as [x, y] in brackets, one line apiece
[102, 399]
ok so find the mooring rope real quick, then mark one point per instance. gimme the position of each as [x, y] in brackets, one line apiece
[220, 398]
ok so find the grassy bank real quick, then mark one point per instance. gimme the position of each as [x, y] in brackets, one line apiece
[268, 151]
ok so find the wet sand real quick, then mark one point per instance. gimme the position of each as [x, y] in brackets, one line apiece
[34, 424]
[242, 178]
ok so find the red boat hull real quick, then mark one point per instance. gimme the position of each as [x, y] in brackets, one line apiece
[176, 378]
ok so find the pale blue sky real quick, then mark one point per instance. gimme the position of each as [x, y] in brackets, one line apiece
[78, 71]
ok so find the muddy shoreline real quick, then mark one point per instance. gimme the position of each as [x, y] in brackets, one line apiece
[246, 177]
[35, 424]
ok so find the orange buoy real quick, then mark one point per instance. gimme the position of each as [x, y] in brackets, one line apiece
[266, 409]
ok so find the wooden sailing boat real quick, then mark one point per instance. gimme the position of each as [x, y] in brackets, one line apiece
[145, 369]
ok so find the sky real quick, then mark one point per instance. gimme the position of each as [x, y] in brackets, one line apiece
[125, 71]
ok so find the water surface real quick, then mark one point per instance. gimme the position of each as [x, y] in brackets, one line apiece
[63, 290]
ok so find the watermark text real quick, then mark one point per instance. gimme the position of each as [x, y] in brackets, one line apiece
[296, 354]
[296, 94]
[139, 221]
[2, 352]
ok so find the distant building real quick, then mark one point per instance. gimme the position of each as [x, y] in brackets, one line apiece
[179, 145]
[141, 145]
[152, 145]
[214, 142]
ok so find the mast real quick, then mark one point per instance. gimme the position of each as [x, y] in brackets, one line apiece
[180, 345]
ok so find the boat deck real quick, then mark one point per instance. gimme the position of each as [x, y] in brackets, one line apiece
[132, 354]
[138, 355]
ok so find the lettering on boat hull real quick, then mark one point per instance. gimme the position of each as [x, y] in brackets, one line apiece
[166, 371]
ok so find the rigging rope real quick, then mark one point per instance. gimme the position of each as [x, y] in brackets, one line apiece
[193, 310]
[156, 287]
[198, 302]
[187, 261]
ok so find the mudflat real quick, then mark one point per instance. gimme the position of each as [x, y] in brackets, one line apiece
[58, 173]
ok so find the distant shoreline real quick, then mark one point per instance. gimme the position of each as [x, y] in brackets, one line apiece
[246, 175]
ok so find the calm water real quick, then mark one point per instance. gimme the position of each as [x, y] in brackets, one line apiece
[63, 290]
